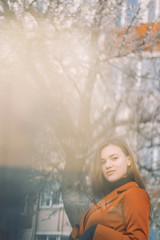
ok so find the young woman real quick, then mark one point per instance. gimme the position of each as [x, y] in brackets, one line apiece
[123, 211]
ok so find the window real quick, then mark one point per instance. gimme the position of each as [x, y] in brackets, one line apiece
[118, 17]
[50, 199]
[116, 75]
[149, 112]
[151, 11]
[57, 198]
[123, 74]
[132, 10]
[150, 75]
[46, 199]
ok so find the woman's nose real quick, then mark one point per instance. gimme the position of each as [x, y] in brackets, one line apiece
[108, 164]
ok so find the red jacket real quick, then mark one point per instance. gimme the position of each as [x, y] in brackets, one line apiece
[121, 215]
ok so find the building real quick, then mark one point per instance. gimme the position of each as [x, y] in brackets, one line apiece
[50, 221]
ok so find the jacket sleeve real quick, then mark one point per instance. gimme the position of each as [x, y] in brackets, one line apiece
[75, 232]
[136, 219]
[87, 235]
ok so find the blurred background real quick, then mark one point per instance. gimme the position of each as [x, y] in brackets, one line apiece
[72, 73]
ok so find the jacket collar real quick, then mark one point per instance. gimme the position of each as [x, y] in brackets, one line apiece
[114, 194]
[126, 186]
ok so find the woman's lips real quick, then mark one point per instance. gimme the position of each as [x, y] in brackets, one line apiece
[110, 172]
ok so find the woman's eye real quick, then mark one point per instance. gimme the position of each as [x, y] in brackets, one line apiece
[114, 158]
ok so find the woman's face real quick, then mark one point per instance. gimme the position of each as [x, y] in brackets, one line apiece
[114, 163]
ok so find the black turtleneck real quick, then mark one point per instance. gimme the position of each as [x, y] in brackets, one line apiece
[108, 187]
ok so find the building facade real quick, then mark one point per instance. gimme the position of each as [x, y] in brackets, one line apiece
[49, 221]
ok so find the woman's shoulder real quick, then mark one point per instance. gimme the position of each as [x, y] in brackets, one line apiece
[134, 193]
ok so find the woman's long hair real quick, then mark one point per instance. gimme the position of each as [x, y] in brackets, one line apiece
[133, 173]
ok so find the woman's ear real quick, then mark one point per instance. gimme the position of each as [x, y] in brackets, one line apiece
[128, 161]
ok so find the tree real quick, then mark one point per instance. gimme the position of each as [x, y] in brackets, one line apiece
[69, 80]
